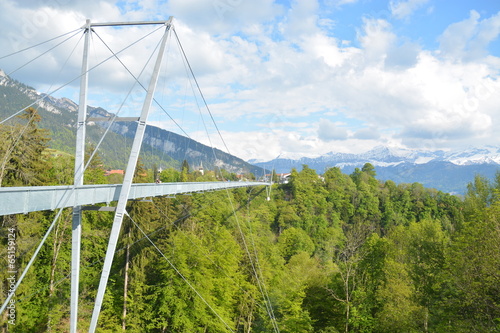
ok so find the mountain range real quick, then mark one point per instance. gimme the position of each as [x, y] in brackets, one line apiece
[448, 171]
[160, 147]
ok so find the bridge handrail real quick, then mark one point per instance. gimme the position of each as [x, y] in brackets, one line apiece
[17, 200]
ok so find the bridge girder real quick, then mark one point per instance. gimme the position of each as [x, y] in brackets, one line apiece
[22, 200]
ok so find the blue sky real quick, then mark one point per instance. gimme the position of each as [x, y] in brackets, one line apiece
[290, 78]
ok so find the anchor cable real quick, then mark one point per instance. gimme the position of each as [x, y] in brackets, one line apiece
[179, 273]
[76, 78]
[33, 46]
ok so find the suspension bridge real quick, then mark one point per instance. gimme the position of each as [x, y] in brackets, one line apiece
[79, 197]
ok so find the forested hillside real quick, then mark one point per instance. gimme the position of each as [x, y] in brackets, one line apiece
[160, 147]
[329, 253]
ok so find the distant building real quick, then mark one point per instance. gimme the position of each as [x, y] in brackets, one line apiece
[200, 169]
[111, 172]
[242, 178]
[283, 178]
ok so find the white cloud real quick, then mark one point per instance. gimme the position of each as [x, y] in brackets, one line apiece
[221, 16]
[402, 56]
[338, 3]
[285, 74]
[468, 39]
[376, 40]
[330, 131]
[454, 40]
[403, 9]
[367, 134]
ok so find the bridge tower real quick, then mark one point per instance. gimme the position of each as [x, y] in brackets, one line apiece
[16, 200]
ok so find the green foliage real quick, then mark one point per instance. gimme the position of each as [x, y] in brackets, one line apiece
[94, 174]
[471, 286]
[327, 253]
[170, 176]
[21, 151]
[300, 273]
[369, 169]
[294, 241]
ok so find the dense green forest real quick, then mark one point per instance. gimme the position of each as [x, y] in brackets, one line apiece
[329, 253]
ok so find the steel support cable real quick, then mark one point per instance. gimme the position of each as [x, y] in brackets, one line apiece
[27, 124]
[142, 86]
[79, 76]
[268, 305]
[42, 54]
[67, 59]
[186, 148]
[260, 283]
[33, 257]
[259, 268]
[199, 89]
[180, 274]
[111, 122]
[33, 46]
[269, 188]
[14, 144]
[159, 103]
[184, 62]
[188, 69]
[206, 254]
[61, 280]
[215, 156]
[72, 189]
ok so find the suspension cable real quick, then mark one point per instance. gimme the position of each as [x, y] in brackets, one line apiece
[111, 122]
[33, 46]
[142, 86]
[267, 299]
[199, 89]
[268, 305]
[33, 257]
[180, 274]
[260, 283]
[42, 54]
[79, 76]
[189, 70]
[206, 254]
[11, 149]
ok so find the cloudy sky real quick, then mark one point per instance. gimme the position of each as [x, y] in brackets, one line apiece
[290, 78]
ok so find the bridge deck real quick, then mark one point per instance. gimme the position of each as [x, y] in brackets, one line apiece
[16, 200]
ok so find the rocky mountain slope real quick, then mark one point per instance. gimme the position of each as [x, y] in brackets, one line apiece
[160, 147]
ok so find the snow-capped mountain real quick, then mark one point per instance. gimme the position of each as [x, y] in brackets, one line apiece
[385, 156]
[485, 155]
[448, 171]
[47, 103]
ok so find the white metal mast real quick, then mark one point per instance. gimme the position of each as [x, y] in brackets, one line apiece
[127, 181]
[78, 181]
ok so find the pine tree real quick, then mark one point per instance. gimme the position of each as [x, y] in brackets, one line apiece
[184, 171]
[94, 174]
[22, 162]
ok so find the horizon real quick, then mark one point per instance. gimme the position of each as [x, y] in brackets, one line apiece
[286, 156]
[391, 149]
[301, 78]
